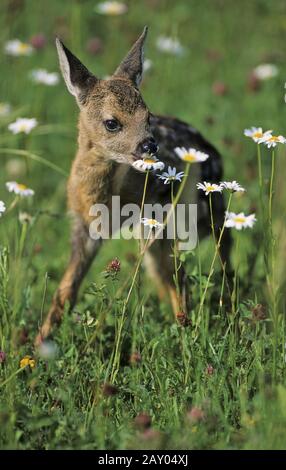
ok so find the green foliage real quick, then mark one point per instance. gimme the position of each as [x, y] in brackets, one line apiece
[217, 383]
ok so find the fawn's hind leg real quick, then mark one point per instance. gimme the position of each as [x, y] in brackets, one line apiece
[83, 252]
[160, 264]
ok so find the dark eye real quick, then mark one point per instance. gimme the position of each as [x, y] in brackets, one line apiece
[112, 125]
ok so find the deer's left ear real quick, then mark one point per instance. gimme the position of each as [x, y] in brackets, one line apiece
[132, 65]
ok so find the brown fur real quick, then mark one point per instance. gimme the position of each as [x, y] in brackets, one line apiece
[103, 167]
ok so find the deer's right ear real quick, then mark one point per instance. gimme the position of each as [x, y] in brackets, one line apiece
[77, 77]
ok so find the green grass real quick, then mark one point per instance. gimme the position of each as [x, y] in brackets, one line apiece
[62, 403]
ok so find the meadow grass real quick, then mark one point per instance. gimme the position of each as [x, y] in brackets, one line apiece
[217, 383]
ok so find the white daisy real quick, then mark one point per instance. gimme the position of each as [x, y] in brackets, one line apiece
[147, 65]
[152, 223]
[20, 189]
[239, 221]
[111, 8]
[256, 134]
[273, 140]
[209, 187]
[171, 175]
[265, 71]
[169, 45]
[44, 77]
[2, 208]
[191, 155]
[23, 125]
[149, 163]
[16, 47]
[233, 186]
[5, 109]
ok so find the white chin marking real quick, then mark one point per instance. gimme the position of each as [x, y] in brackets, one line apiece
[139, 169]
[119, 159]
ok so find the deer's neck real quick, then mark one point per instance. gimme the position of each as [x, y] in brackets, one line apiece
[91, 177]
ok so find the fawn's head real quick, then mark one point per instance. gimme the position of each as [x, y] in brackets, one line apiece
[113, 115]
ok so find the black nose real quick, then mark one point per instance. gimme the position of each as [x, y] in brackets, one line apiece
[149, 146]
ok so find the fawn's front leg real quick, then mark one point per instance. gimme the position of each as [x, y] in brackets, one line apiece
[160, 264]
[83, 252]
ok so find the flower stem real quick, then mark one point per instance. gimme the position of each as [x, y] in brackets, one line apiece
[271, 188]
[11, 376]
[214, 259]
[215, 242]
[176, 199]
[116, 356]
[142, 209]
[259, 167]
[212, 217]
[175, 243]
[271, 263]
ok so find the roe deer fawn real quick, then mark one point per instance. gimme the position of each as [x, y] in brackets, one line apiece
[116, 129]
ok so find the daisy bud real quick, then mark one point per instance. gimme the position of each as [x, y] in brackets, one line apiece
[25, 218]
[142, 421]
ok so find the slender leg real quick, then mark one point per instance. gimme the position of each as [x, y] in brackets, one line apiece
[83, 252]
[161, 268]
[151, 267]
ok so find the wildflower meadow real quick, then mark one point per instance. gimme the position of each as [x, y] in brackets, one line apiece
[121, 372]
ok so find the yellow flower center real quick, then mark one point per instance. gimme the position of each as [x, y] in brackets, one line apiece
[149, 161]
[257, 135]
[210, 187]
[23, 47]
[190, 157]
[22, 127]
[113, 8]
[152, 221]
[240, 220]
[21, 187]
[273, 138]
